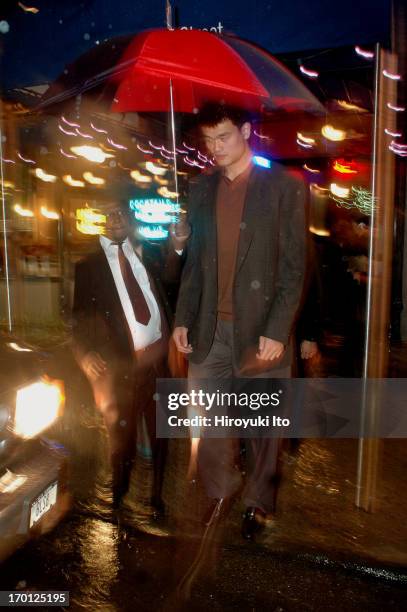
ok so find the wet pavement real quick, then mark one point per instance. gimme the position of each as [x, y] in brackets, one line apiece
[319, 553]
[110, 567]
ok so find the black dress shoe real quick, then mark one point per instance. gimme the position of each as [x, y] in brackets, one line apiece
[158, 508]
[251, 524]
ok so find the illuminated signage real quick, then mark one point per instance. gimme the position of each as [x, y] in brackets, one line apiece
[153, 232]
[155, 210]
[153, 214]
[215, 28]
[89, 221]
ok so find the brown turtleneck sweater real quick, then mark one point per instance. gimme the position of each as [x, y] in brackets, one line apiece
[229, 210]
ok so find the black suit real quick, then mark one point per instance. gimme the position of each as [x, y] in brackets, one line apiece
[127, 388]
[267, 289]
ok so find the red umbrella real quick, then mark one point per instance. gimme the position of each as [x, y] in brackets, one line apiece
[178, 70]
[199, 64]
[203, 66]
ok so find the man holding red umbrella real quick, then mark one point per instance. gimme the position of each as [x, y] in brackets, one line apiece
[240, 290]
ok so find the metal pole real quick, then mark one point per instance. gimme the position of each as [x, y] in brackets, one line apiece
[6, 262]
[379, 283]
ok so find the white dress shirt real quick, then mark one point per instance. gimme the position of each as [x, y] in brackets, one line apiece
[143, 335]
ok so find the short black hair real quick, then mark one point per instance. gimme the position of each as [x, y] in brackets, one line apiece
[213, 113]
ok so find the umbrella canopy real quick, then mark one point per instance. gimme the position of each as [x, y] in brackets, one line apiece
[195, 61]
[203, 66]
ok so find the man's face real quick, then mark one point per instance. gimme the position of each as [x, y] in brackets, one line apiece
[117, 222]
[226, 142]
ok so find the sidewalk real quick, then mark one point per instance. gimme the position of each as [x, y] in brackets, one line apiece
[316, 518]
[316, 513]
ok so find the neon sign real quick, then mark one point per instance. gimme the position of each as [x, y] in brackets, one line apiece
[89, 221]
[153, 214]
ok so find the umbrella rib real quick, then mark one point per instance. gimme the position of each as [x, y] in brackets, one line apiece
[177, 74]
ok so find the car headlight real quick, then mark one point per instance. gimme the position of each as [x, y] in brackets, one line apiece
[37, 407]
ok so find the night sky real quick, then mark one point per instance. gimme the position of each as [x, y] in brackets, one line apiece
[37, 46]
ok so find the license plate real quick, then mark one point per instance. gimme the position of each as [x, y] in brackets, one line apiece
[43, 503]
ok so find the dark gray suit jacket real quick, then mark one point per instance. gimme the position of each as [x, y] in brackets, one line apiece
[99, 323]
[269, 267]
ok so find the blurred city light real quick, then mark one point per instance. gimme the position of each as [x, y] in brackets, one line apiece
[358, 198]
[23, 212]
[364, 53]
[19, 348]
[351, 107]
[25, 159]
[144, 150]
[303, 144]
[340, 192]
[154, 169]
[89, 221]
[29, 9]
[49, 214]
[43, 176]
[306, 139]
[259, 160]
[321, 191]
[166, 193]
[67, 154]
[100, 130]
[83, 134]
[312, 170]
[398, 109]
[7, 184]
[331, 133]
[312, 74]
[319, 232]
[67, 178]
[116, 145]
[70, 123]
[393, 134]
[64, 130]
[262, 136]
[93, 180]
[137, 176]
[343, 167]
[161, 181]
[392, 75]
[93, 154]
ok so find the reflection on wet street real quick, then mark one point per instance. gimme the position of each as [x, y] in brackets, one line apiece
[111, 568]
[127, 561]
[318, 495]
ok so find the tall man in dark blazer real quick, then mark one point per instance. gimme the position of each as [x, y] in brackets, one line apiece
[240, 290]
[121, 319]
